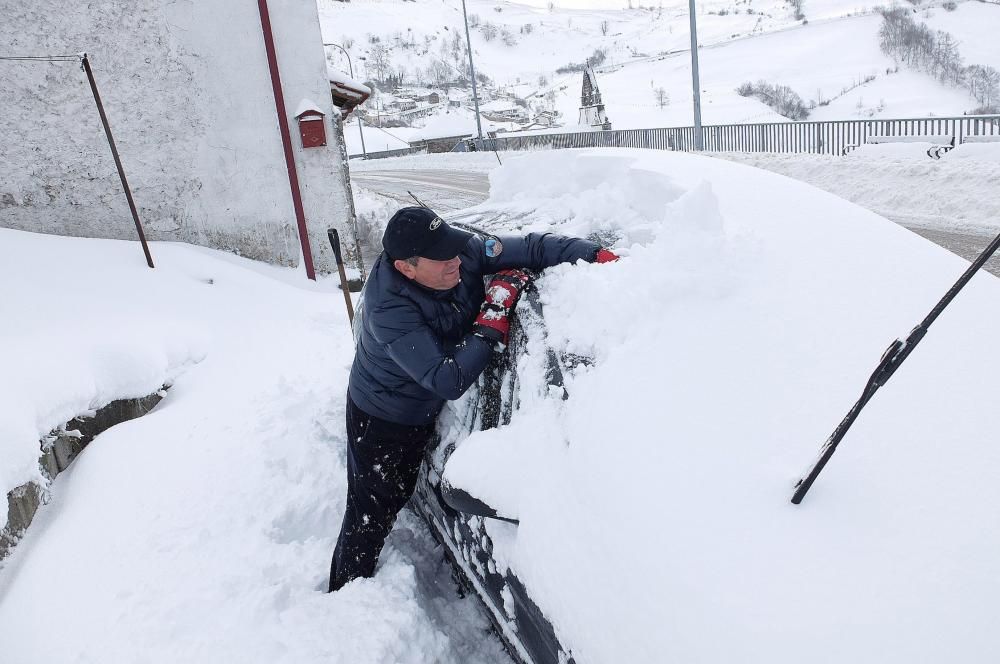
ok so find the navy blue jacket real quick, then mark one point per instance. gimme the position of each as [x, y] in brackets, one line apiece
[415, 345]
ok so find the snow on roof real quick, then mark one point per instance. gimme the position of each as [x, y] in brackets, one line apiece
[499, 105]
[307, 105]
[343, 80]
[460, 122]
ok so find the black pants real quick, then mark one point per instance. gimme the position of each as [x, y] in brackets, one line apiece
[382, 463]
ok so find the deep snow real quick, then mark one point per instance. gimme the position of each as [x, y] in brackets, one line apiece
[740, 325]
[201, 532]
[655, 522]
[899, 181]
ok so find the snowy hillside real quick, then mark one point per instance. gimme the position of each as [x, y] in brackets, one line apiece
[831, 58]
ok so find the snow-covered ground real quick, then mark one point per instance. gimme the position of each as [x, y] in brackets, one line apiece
[739, 327]
[899, 181]
[203, 531]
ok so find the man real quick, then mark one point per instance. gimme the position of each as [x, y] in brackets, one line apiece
[428, 329]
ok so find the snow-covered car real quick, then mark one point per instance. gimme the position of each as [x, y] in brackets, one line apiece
[457, 518]
[645, 501]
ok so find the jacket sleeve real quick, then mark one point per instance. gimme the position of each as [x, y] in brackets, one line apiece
[537, 251]
[446, 372]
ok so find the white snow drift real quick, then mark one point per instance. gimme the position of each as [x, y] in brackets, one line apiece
[739, 327]
[655, 523]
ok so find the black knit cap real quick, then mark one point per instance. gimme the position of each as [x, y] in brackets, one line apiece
[418, 231]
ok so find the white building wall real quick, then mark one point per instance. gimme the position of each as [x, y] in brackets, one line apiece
[188, 95]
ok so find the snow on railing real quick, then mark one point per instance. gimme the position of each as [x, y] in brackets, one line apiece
[829, 137]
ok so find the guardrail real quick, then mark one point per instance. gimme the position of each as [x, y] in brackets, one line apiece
[831, 137]
[384, 154]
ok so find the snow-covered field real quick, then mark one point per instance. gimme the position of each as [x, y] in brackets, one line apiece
[655, 526]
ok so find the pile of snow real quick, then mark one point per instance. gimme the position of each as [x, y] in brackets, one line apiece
[740, 327]
[975, 152]
[904, 150]
[201, 532]
[951, 193]
[81, 329]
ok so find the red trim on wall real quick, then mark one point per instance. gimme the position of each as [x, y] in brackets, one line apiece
[286, 139]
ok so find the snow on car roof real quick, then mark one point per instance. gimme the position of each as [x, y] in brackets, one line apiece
[739, 328]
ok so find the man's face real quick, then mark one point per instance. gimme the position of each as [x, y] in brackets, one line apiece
[438, 275]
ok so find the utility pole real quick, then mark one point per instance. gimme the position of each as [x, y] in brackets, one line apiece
[699, 143]
[472, 69]
[350, 68]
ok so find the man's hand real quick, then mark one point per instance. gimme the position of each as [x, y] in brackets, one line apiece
[493, 321]
[605, 256]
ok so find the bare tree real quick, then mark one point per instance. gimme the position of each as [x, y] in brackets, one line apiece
[662, 98]
[378, 61]
[604, 28]
[984, 84]
[439, 72]
[797, 6]
[489, 31]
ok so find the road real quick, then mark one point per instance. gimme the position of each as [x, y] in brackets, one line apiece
[443, 190]
[449, 191]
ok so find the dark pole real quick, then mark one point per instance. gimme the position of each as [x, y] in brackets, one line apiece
[118, 162]
[335, 243]
[286, 138]
[893, 356]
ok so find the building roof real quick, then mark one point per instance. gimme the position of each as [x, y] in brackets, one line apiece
[343, 81]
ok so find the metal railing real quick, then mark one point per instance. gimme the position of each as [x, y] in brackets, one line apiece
[831, 137]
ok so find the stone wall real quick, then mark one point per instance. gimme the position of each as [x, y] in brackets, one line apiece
[57, 452]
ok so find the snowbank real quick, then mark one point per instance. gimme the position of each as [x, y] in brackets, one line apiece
[949, 193]
[975, 151]
[201, 532]
[84, 324]
[915, 150]
[655, 522]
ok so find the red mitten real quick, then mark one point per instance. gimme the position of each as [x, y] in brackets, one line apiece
[605, 256]
[493, 321]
